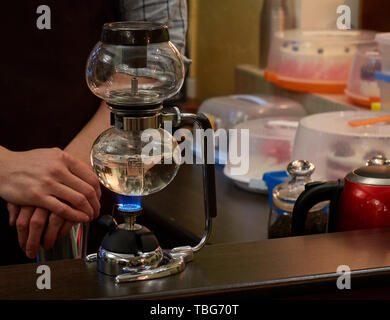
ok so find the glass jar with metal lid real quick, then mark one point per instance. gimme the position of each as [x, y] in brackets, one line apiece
[284, 196]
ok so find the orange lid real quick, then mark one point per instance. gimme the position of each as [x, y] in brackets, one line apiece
[298, 85]
[361, 100]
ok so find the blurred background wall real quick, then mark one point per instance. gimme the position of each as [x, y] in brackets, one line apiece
[226, 33]
[222, 34]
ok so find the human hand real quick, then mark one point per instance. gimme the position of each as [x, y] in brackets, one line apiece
[31, 222]
[50, 179]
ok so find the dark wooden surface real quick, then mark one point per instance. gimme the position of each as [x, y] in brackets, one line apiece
[374, 15]
[242, 215]
[279, 267]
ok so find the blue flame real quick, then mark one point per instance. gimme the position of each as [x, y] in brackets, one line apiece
[129, 207]
[128, 203]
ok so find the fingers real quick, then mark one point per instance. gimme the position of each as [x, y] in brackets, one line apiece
[53, 228]
[30, 225]
[85, 189]
[75, 199]
[63, 210]
[84, 172]
[56, 181]
[32, 175]
[37, 224]
[13, 210]
[22, 225]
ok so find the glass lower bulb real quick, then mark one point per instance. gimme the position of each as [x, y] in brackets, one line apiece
[135, 163]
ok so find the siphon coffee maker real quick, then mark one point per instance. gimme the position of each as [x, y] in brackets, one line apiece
[135, 68]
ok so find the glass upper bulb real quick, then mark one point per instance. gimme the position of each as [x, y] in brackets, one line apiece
[134, 64]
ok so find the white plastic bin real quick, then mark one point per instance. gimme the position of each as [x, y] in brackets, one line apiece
[383, 40]
[363, 88]
[384, 88]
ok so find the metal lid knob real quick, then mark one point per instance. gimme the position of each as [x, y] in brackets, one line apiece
[285, 194]
[300, 168]
[378, 160]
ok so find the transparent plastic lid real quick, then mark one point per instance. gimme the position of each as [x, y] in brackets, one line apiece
[228, 111]
[383, 38]
[270, 145]
[335, 147]
[326, 37]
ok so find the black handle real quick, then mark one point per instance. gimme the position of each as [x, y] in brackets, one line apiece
[315, 193]
[209, 195]
[208, 168]
[210, 200]
[108, 222]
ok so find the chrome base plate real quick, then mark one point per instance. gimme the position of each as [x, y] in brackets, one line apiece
[173, 262]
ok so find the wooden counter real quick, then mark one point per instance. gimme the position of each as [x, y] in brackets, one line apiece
[269, 268]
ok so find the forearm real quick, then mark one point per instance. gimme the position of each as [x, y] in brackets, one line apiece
[80, 146]
[4, 161]
[3, 155]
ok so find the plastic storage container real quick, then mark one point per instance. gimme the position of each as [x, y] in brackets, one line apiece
[363, 88]
[270, 146]
[284, 196]
[335, 147]
[228, 111]
[384, 88]
[383, 40]
[314, 61]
